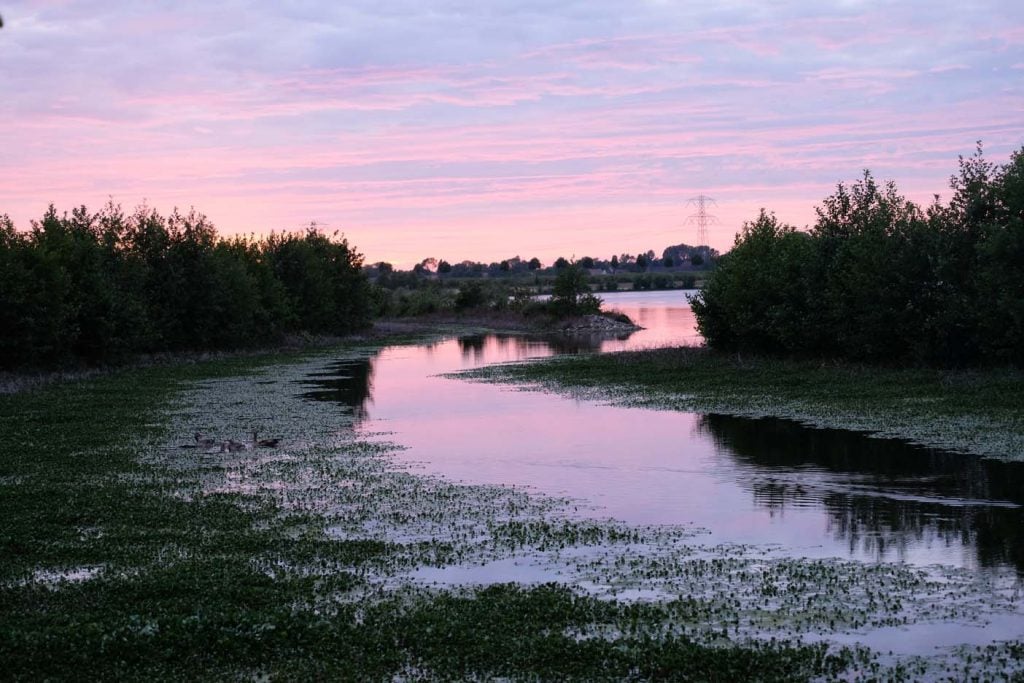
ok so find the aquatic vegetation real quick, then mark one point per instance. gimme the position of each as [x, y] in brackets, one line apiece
[126, 555]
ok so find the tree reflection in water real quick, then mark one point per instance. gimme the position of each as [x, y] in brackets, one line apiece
[474, 347]
[348, 383]
[880, 495]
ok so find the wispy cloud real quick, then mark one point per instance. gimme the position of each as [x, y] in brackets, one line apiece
[493, 128]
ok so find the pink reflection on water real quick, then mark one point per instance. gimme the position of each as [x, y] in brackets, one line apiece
[799, 492]
[639, 466]
[666, 317]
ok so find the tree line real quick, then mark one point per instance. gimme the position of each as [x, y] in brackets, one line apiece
[878, 278]
[678, 257]
[96, 287]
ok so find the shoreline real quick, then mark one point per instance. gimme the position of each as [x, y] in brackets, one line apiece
[978, 412]
[383, 329]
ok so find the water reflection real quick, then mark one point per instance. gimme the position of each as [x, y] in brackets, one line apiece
[473, 346]
[348, 383]
[476, 348]
[666, 317]
[807, 492]
[882, 497]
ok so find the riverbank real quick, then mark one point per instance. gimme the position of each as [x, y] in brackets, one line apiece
[971, 411]
[383, 330]
[508, 321]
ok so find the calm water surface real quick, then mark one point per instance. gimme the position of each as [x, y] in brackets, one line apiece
[803, 492]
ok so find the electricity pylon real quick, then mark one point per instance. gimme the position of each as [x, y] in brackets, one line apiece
[701, 218]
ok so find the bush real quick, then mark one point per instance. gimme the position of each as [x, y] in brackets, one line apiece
[470, 295]
[92, 288]
[879, 279]
[571, 293]
[759, 296]
[412, 302]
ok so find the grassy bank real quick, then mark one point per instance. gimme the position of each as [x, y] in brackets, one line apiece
[125, 556]
[979, 412]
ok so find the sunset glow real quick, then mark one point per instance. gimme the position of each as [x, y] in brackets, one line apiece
[485, 130]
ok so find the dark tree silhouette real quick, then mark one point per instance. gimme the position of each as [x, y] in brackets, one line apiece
[879, 279]
[95, 287]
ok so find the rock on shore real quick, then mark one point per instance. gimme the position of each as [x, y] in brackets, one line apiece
[589, 324]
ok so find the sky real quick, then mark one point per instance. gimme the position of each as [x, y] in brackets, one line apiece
[486, 129]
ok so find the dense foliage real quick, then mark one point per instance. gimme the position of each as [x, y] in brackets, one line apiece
[571, 294]
[878, 278]
[94, 287]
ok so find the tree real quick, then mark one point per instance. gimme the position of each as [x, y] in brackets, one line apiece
[615, 261]
[32, 301]
[999, 275]
[668, 261]
[758, 296]
[561, 263]
[444, 267]
[587, 262]
[327, 290]
[534, 263]
[879, 279]
[571, 294]
[470, 295]
[875, 286]
[95, 286]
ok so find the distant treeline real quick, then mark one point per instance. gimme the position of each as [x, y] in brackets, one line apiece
[678, 257]
[877, 278]
[96, 287]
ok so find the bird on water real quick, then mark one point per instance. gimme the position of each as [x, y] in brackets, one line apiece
[264, 443]
[204, 441]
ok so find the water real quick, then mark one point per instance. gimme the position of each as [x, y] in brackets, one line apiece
[796, 491]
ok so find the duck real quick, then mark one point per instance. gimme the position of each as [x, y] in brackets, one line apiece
[264, 443]
[204, 441]
[232, 446]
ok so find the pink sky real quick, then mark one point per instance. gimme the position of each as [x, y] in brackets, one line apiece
[469, 130]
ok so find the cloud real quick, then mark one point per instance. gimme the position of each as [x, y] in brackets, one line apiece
[400, 115]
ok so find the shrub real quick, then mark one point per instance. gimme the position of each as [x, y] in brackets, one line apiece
[571, 293]
[879, 279]
[92, 287]
[470, 295]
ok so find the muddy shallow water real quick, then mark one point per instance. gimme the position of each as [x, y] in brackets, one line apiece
[795, 491]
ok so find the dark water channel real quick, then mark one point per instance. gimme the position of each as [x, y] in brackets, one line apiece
[796, 491]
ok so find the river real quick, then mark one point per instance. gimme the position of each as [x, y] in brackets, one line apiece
[793, 490]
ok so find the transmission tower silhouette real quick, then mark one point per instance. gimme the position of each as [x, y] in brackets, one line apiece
[701, 218]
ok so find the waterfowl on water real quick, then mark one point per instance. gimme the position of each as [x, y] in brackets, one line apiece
[232, 446]
[204, 441]
[264, 443]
